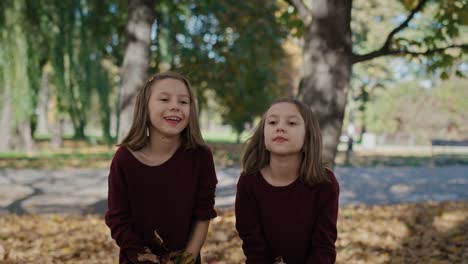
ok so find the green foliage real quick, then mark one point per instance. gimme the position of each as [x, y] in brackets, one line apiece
[230, 47]
[437, 25]
[74, 37]
[423, 41]
[287, 17]
[247, 80]
[372, 21]
[439, 112]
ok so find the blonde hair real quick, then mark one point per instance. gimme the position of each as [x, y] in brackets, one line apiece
[312, 168]
[136, 138]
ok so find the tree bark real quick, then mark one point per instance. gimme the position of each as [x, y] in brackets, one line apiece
[42, 122]
[141, 16]
[56, 140]
[5, 121]
[327, 68]
[25, 138]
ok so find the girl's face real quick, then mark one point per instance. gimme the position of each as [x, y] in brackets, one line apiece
[169, 107]
[284, 129]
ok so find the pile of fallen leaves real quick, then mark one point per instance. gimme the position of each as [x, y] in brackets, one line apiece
[405, 233]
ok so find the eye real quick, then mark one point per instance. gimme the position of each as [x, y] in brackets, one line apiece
[271, 122]
[292, 123]
[164, 99]
[184, 102]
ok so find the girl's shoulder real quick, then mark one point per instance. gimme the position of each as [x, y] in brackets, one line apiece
[247, 179]
[122, 154]
[201, 151]
[332, 184]
[331, 176]
[205, 149]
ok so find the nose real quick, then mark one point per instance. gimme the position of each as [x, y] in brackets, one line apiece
[174, 106]
[280, 127]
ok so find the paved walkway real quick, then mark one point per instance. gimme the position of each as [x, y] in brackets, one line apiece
[85, 190]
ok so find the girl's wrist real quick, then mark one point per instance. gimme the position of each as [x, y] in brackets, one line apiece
[191, 252]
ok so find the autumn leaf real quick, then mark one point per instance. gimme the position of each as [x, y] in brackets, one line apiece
[279, 260]
[182, 257]
[431, 232]
[148, 256]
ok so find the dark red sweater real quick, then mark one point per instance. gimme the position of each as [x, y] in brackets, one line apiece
[167, 197]
[297, 222]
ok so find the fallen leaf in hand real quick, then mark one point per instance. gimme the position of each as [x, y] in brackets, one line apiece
[148, 256]
[279, 260]
[182, 257]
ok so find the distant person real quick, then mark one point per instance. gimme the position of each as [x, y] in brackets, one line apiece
[287, 199]
[162, 179]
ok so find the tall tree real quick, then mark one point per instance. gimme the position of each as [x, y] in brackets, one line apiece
[141, 17]
[329, 55]
[15, 86]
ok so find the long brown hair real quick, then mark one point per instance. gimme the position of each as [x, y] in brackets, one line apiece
[136, 138]
[312, 168]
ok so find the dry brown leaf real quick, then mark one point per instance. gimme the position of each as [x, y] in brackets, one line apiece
[148, 256]
[279, 260]
[404, 233]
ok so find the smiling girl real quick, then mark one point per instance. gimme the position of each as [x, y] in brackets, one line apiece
[162, 179]
[287, 200]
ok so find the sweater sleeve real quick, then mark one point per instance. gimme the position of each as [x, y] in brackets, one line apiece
[205, 194]
[248, 225]
[118, 216]
[325, 231]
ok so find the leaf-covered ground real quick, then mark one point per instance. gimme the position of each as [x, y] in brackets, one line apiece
[405, 233]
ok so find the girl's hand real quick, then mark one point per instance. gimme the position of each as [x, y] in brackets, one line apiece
[279, 260]
[148, 256]
[182, 257]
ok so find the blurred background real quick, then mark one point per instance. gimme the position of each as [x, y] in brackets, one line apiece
[387, 80]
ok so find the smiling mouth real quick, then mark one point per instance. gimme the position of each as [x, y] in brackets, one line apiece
[173, 120]
[279, 139]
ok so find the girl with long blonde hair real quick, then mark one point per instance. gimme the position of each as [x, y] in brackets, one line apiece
[162, 179]
[287, 198]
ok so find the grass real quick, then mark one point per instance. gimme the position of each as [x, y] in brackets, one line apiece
[363, 159]
[82, 154]
[224, 137]
[86, 154]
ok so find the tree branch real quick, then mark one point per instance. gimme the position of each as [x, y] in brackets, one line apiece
[379, 53]
[385, 49]
[304, 12]
[403, 25]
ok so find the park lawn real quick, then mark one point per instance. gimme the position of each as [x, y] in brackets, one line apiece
[224, 137]
[226, 153]
[404, 233]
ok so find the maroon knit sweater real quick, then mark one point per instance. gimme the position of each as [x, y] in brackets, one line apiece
[296, 222]
[167, 198]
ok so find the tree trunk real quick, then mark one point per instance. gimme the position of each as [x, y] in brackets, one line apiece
[5, 121]
[136, 59]
[25, 138]
[327, 68]
[56, 140]
[42, 123]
